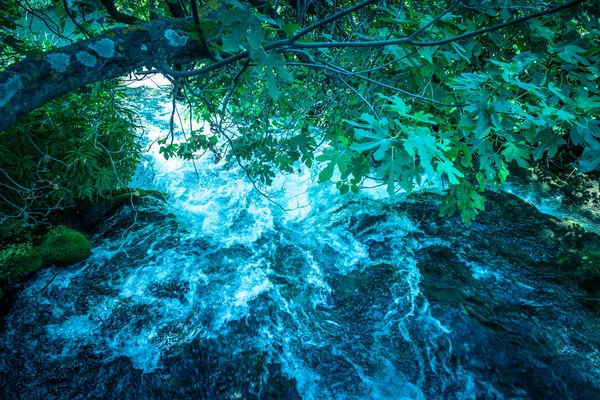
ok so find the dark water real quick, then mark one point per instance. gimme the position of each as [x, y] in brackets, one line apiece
[220, 294]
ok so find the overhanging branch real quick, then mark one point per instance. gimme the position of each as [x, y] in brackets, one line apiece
[38, 79]
[409, 39]
[118, 16]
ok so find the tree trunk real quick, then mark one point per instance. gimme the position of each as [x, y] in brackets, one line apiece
[38, 79]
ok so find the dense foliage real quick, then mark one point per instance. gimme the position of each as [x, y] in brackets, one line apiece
[80, 147]
[395, 93]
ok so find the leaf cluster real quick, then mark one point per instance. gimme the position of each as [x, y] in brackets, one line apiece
[77, 148]
[415, 113]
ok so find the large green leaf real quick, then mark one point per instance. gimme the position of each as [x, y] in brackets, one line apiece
[272, 63]
[590, 159]
[518, 152]
[421, 142]
[446, 167]
[376, 137]
[547, 142]
[244, 25]
[572, 54]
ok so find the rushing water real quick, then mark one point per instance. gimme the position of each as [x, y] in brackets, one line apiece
[220, 294]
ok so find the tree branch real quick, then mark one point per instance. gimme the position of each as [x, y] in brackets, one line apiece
[267, 47]
[38, 79]
[118, 16]
[72, 18]
[339, 70]
[409, 39]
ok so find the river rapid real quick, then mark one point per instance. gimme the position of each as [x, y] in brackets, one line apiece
[220, 294]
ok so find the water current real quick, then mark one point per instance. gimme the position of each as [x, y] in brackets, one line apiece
[221, 294]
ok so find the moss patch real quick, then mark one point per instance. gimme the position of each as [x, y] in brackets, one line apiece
[65, 246]
[134, 195]
[19, 261]
[584, 271]
[87, 217]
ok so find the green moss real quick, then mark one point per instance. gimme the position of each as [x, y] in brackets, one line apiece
[134, 195]
[65, 246]
[13, 231]
[583, 269]
[19, 261]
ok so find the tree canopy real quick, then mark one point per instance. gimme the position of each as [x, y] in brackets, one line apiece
[397, 93]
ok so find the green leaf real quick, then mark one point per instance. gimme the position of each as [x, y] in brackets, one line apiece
[397, 105]
[586, 103]
[271, 63]
[327, 172]
[557, 91]
[564, 115]
[339, 158]
[517, 152]
[244, 25]
[421, 116]
[468, 216]
[478, 200]
[483, 128]
[590, 159]
[446, 167]
[427, 53]
[571, 54]
[468, 81]
[290, 29]
[448, 207]
[503, 174]
[547, 142]
[585, 132]
[344, 188]
[376, 138]
[460, 51]
[481, 180]
[422, 142]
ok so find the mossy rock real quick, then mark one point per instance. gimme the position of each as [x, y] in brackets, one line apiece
[583, 269]
[65, 246]
[93, 215]
[134, 195]
[19, 261]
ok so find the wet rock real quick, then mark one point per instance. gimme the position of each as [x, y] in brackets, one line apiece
[170, 289]
[504, 293]
[378, 299]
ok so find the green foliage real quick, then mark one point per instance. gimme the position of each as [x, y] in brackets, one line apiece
[13, 231]
[77, 148]
[19, 261]
[64, 246]
[525, 94]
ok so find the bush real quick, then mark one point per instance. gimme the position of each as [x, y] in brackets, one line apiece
[13, 231]
[19, 261]
[64, 246]
[78, 148]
